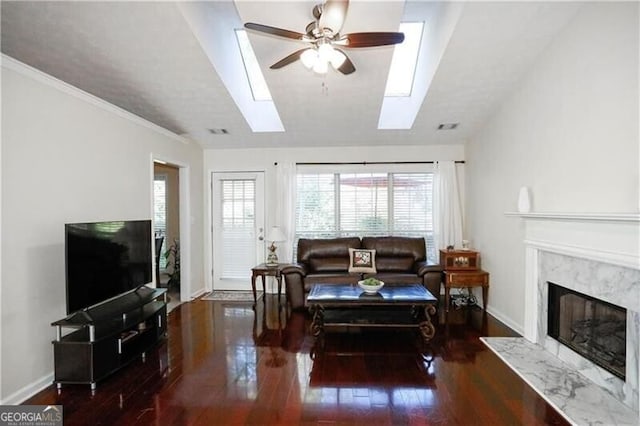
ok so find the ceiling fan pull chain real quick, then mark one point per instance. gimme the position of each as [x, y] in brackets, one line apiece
[325, 89]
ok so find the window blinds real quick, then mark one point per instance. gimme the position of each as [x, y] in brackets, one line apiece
[365, 204]
[238, 227]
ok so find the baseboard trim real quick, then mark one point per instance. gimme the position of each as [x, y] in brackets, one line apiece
[28, 391]
[506, 320]
[198, 293]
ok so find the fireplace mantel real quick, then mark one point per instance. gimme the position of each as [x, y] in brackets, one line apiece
[579, 217]
[606, 237]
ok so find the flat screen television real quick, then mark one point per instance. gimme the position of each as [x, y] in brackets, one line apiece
[105, 259]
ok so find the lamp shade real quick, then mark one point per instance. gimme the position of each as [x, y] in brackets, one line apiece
[276, 235]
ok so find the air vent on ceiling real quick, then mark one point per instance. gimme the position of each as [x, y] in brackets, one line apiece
[448, 126]
[219, 131]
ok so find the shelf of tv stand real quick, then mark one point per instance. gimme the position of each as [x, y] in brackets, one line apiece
[110, 327]
[124, 303]
[108, 336]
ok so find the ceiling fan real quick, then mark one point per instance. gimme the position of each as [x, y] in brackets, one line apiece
[324, 39]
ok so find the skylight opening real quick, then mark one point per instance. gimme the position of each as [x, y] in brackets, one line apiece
[259, 88]
[404, 61]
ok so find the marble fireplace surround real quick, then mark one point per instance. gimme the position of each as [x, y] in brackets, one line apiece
[594, 254]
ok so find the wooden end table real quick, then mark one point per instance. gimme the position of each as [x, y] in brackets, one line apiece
[266, 270]
[465, 279]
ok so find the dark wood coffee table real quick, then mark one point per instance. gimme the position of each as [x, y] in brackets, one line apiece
[395, 305]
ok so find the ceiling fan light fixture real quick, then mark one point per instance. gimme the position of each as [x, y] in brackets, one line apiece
[325, 52]
[318, 59]
[309, 57]
[337, 58]
[320, 67]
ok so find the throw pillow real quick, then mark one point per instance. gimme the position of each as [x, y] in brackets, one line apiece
[362, 260]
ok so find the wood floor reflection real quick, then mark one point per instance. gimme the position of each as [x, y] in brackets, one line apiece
[226, 364]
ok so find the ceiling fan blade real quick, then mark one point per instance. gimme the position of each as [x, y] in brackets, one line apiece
[370, 39]
[276, 31]
[347, 66]
[288, 59]
[333, 15]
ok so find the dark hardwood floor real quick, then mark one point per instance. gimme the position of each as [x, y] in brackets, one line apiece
[225, 364]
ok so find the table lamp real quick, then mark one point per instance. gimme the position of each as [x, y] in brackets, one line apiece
[275, 235]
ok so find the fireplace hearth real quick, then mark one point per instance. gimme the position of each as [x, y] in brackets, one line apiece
[591, 327]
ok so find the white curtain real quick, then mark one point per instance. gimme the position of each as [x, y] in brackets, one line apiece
[286, 208]
[447, 210]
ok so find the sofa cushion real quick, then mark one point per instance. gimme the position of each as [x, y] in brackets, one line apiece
[396, 254]
[331, 247]
[395, 264]
[396, 247]
[326, 255]
[362, 260]
[329, 264]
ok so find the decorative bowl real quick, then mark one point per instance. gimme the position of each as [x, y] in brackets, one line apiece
[370, 289]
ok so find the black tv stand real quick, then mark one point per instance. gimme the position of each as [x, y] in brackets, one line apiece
[108, 336]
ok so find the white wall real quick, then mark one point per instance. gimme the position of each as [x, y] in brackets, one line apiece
[569, 132]
[67, 157]
[227, 160]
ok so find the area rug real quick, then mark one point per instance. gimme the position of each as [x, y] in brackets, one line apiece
[232, 295]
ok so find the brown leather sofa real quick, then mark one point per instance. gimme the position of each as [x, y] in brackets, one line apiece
[398, 260]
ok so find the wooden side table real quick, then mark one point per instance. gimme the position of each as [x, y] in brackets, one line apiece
[465, 279]
[263, 270]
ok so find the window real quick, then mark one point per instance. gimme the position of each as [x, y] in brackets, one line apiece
[333, 205]
[259, 88]
[160, 211]
[405, 58]
[238, 226]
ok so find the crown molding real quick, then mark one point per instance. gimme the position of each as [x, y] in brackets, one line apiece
[12, 64]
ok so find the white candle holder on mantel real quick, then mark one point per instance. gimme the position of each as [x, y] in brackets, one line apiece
[524, 200]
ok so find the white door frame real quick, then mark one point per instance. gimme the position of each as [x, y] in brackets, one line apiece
[184, 207]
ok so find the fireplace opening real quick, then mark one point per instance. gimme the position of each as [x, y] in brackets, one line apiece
[593, 328]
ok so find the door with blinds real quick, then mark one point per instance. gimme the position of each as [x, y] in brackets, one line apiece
[238, 228]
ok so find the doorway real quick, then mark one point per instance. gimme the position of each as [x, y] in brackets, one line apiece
[166, 214]
[238, 228]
